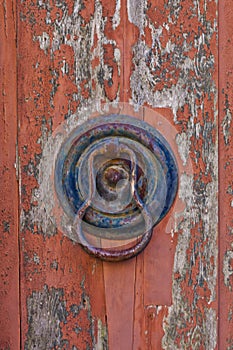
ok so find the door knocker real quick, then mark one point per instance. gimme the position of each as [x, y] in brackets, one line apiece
[116, 177]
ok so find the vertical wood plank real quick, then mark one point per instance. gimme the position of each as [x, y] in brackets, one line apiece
[139, 305]
[225, 175]
[69, 58]
[9, 262]
[119, 295]
[153, 53]
[175, 67]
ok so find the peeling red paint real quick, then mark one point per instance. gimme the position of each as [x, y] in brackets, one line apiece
[159, 54]
[225, 175]
[177, 71]
[9, 251]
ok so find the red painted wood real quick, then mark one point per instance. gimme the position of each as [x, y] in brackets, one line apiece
[225, 175]
[120, 298]
[9, 252]
[68, 299]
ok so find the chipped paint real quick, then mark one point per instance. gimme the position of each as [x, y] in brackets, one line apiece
[77, 57]
[225, 172]
[44, 41]
[136, 13]
[9, 238]
[46, 312]
[42, 216]
[228, 269]
[163, 78]
[117, 18]
[102, 337]
[183, 143]
[143, 83]
[226, 123]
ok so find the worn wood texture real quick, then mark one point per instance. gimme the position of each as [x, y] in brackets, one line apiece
[9, 252]
[160, 54]
[225, 175]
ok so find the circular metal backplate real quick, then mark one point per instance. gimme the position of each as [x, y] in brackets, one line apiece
[113, 213]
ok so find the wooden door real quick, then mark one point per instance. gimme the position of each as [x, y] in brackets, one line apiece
[57, 58]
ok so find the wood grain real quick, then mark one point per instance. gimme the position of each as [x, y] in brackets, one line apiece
[155, 54]
[225, 176]
[9, 251]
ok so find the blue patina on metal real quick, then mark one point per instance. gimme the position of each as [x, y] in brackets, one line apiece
[112, 213]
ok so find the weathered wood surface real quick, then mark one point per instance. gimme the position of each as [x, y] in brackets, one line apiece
[9, 252]
[225, 176]
[160, 54]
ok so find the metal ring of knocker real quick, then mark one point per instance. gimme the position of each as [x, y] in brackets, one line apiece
[96, 207]
[110, 254]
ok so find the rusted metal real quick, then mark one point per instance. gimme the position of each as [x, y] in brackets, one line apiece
[128, 215]
[71, 160]
[113, 254]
